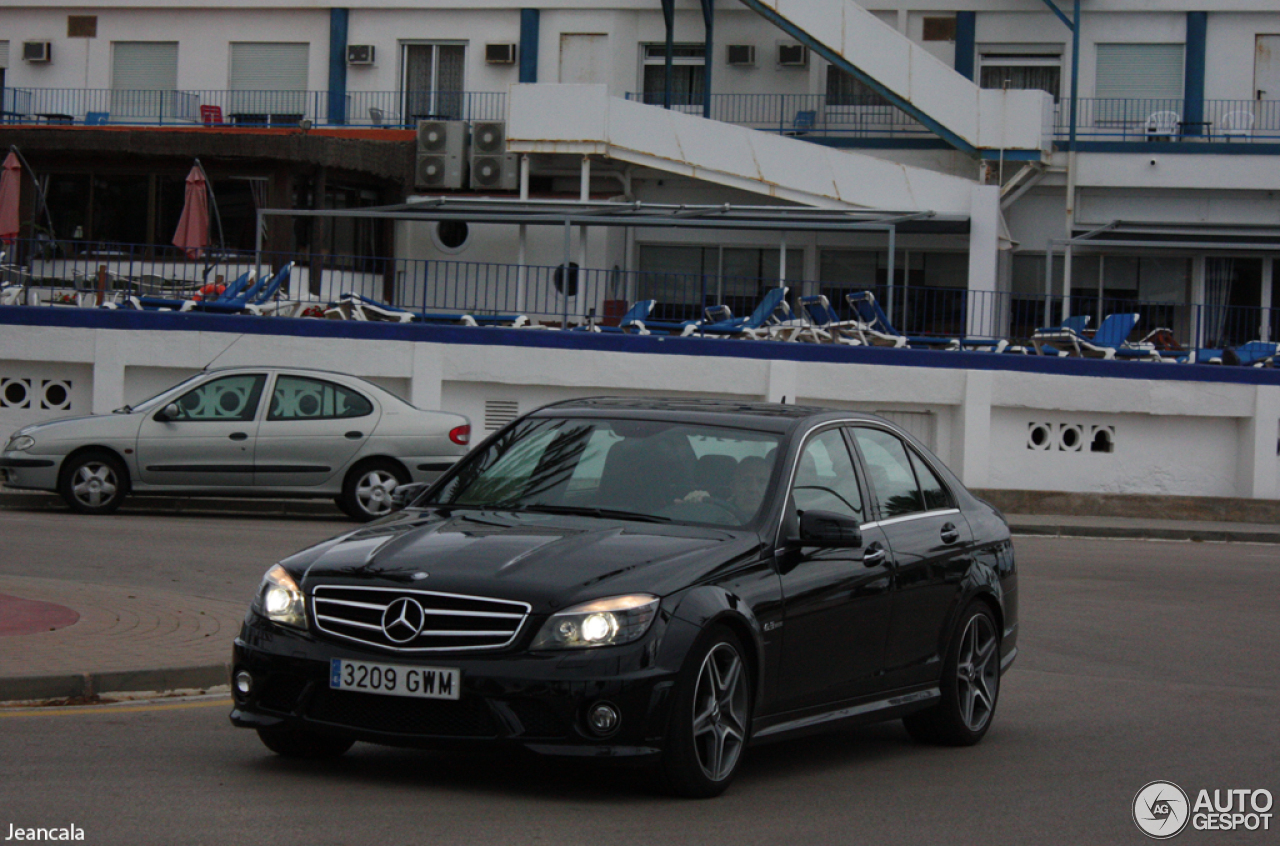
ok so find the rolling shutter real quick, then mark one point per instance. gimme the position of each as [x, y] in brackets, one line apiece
[269, 81]
[144, 65]
[1140, 71]
[4, 54]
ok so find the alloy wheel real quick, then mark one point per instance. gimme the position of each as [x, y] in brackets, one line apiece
[373, 492]
[720, 706]
[94, 484]
[978, 672]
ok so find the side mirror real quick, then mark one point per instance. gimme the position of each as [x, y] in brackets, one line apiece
[405, 494]
[826, 528]
[169, 412]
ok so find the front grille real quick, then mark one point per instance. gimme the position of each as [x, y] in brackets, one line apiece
[446, 621]
[466, 717]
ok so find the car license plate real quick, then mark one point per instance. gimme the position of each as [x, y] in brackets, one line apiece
[394, 679]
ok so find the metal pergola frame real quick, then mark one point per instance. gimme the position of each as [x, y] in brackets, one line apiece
[635, 214]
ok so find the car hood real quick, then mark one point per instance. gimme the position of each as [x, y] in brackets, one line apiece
[69, 428]
[550, 561]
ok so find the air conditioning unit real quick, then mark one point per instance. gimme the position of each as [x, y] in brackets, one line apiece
[743, 55]
[492, 167]
[36, 51]
[793, 55]
[500, 54]
[441, 159]
[360, 54]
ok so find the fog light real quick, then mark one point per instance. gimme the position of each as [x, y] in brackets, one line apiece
[603, 718]
[244, 683]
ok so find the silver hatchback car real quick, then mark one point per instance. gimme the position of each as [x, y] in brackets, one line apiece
[320, 434]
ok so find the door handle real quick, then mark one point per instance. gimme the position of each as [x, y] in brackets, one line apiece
[874, 556]
[354, 436]
[238, 436]
[950, 533]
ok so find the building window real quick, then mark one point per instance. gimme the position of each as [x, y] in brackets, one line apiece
[1140, 71]
[845, 89]
[688, 74]
[144, 76]
[1022, 72]
[940, 28]
[82, 26]
[433, 81]
[268, 83]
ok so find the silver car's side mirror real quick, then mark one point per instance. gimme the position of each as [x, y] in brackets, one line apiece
[169, 412]
[404, 494]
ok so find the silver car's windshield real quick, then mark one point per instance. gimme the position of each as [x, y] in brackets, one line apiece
[655, 470]
[161, 397]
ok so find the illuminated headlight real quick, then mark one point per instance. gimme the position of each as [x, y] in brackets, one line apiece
[604, 622]
[20, 443]
[282, 600]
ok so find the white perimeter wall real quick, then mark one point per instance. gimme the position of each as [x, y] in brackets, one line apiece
[1169, 437]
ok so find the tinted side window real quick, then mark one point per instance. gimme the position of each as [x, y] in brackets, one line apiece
[825, 478]
[296, 398]
[889, 469]
[231, 398]
[935, 494]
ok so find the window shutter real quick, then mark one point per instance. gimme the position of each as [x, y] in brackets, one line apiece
[268, 67]
[1140, 71]
[144, 65]
[4, 54]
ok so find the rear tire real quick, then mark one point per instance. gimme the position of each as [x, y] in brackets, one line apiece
[711, 717]
[94, 482]
[366, 492]
[970, 684]
[300, 743]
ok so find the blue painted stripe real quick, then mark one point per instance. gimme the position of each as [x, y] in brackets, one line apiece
[1193, 87]
[518, 339]
[338, 23]
[966, 38]
[1191, 148]
[529, 32]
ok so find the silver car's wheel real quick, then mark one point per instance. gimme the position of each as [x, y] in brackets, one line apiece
[94, 483]
[367, 492]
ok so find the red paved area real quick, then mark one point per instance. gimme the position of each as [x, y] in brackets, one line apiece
[20, 616]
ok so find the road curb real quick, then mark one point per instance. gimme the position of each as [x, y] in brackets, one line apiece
[248, 507]
[75, 685]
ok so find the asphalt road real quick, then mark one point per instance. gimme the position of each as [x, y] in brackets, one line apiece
[1140, 661]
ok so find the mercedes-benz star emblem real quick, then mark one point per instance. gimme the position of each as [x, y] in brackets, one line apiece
[403, 619]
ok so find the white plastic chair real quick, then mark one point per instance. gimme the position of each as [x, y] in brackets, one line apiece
[1162, 125]
[1237, 124]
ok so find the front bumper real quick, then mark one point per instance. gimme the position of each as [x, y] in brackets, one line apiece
[22, 470]
[538, 701]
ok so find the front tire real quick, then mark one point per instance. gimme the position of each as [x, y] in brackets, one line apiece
[300, 743]
[94, 483]
[709, 725]
[970, 684]
[366, 493]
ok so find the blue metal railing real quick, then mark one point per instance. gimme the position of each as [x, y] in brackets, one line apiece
[800, 114]
[246, 108]
[73, 272]
[1166, 120]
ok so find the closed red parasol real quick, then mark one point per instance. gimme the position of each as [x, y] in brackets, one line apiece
[193, 226]
[10, 188]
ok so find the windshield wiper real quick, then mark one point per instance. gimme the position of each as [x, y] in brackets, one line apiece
[591, 511]
[124, 409]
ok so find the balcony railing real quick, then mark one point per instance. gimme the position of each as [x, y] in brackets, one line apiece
[800, 114]
[247, 108]
[72, 272]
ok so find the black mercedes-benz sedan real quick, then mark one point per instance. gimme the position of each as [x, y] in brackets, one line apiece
[659, 580]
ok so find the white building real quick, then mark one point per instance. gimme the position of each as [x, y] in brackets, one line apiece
[948, 123]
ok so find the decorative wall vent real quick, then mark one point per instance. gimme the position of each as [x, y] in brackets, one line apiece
[1070, 437]
[498, 413]
[42, 394]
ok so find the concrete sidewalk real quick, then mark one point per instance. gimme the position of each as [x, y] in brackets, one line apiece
[90, 639]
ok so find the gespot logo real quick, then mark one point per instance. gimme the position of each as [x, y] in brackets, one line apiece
[1160, 809]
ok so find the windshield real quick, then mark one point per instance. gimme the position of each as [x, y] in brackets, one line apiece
[163, 395]
[652, 470]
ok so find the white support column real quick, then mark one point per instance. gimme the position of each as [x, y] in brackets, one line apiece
[522, 271]
[1268, 271]
[1257, 469]
[110, 351]
[426, 380]
[584, 194]
[971, 439]
[984, 248]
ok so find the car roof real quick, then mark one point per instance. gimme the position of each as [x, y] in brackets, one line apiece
[769, 416]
